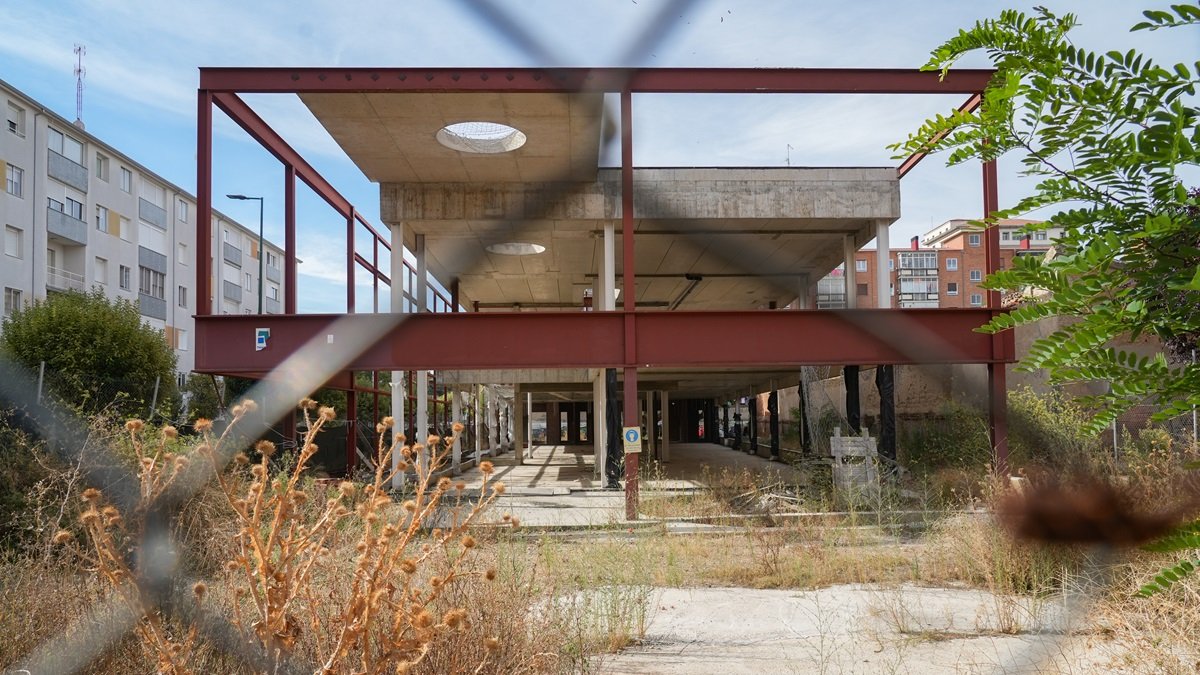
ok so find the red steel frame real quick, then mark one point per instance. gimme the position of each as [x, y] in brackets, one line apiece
[627, 339]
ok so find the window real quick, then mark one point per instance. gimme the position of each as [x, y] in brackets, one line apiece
[920, 260]
[860, 265]
[891, 264]
[126, 180]
[126, 231]
[14, 181]
[101, 218]
[16, 119]
[100, 271]
[951, 264]
[976, 275]
[181, 211]
[181, 339]
[102, 167]
[181, 296]
[12, 300]
[123, 278]
[154, 193]
[1004, 235]
[1040, 236]
[249, 281]
[181, 254]
[952, 288]
[152, 283]
[66, 146]
[71, 207]
[972, 239]
[13, 237]
[861, 289]
[976, 299]
[272, 260]
[273, 292]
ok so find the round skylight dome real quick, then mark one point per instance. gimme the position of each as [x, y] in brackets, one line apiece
[488, 138]
[516, 248]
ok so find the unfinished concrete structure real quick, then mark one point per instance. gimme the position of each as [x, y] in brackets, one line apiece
[539, 244]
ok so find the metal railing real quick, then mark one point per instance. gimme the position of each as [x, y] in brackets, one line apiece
[64, 280]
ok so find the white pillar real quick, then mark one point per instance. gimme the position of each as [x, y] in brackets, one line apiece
[456, 416]
[422, 293]
[599, 419]
[848, 251]
[493, 408]
[529, 422]
[396, 305]
[883, 275]
[666, 427]
[478, 408]
[609, 272]
[421, 424]
[518, 426]
[804, 289]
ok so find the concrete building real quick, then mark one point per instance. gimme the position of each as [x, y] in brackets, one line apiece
[79, 214]
[943, 268]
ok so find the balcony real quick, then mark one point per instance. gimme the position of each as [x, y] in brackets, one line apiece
[66, 228]
[58, 279]
[232, 254]
[152, 213]
[273, 274]
[155, 308]
[271, 306]
[232, 291]
[67, 171]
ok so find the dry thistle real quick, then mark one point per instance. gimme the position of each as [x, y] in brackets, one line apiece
[327, 413]
[498, 488]
[346, 488]
[199, 589]
[443, 484]
[468, 541]
[170, 432]
[408, 565]
[249, 405]
[423, 619]
[460, 486]
[410, 505]
[485, 467]
[133, 426]
[62, 536]
[433, 440]
[202, 425]
[491, 644]
[490, 574]
[91, 495]
[516, 522]
[237, 411]
[307, 403]
[457, 428]
[265, 448]
[241, 459]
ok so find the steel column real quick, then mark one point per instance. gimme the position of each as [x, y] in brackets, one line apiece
[204, 234]
[773, 411]
[290, 289]
[753, 423]
[1001, 342]
[629, 283]
[853, 418]
[350, 262]
[665, 451]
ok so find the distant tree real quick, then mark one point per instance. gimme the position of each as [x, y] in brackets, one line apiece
[1108, 135]
[203, 398]
[97, 352]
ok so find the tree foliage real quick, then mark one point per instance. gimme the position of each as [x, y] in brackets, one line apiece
[96, 351]
[1107, 135]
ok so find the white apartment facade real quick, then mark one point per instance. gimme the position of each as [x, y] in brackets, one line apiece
[78, 214]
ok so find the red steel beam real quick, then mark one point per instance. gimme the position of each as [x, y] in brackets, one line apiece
[628, 281]
[289, 240]
[259, 130]
[914, 159]
[450, 341]
[565, 80]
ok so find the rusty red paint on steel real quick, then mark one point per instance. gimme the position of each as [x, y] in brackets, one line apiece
[645, 80]
[914, 159]
[204, 204]
[225, 344]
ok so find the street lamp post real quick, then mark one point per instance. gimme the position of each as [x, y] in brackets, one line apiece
[261, 251]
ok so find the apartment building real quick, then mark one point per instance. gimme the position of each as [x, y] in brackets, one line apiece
[943, 268]
[78, 214]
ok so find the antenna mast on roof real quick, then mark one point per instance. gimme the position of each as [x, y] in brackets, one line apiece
[789, 154]
[80, 50]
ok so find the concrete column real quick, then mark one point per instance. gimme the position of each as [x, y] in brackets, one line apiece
[422, 421]
[396, 305]
[456, 416]
[651, 426]
[478, 409]
[804, 292]
[493, 421]
[529, 422]
[609, 274]
[518, 426]
[883, 275]
[598, 424]
[665, 453]
[753, 423]
[848, 251]
[422, 293]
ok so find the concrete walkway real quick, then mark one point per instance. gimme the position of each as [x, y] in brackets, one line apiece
[556, 485]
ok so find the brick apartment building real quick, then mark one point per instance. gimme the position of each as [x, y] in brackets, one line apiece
[942, 268]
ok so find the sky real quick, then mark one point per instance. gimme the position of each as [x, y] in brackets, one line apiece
[142, 66]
